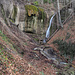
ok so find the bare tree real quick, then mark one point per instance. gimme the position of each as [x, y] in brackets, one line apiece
[59, 16]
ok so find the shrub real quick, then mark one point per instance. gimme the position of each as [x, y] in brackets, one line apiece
[67, 36]
[66, 48]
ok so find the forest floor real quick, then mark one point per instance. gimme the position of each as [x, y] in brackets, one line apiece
[17, 55]
[67, 33]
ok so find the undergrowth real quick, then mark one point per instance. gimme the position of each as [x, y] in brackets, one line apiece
[67, 36]
[7, 40]
[66, 49]
[10, 43]
[4, 55]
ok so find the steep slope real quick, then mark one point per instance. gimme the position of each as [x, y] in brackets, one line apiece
[67, 33]
[64, 43]
[12, 63]
[10, 44]
[17, 55]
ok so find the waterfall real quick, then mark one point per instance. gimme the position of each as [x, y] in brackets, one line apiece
[48, 30]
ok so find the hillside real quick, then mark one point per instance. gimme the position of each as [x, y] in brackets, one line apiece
[23, 25]
[17, 55]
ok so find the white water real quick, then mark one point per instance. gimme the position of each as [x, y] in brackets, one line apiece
[48, 30]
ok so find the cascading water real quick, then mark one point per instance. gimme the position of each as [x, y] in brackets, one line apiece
[48, 30]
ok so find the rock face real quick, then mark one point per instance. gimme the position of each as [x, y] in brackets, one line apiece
[13, 10]
[6, 4]
[0, 13]
[27, 19]
[73, 4]
[30, 19]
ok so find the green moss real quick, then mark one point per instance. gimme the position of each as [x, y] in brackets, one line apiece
[42, 10]
[36, 3]
[42, 14]
[31, 9]
[14, 13]
[3, 14]
[2, 10]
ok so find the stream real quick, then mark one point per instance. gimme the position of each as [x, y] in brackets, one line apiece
[42, 29]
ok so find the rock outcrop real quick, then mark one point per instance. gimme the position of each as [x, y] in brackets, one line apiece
[13, 10]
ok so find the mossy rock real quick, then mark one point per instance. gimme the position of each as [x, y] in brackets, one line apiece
[14, 13]
[31, 9]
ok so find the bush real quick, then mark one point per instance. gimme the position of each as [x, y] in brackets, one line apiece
[66, 48]
[67, 36]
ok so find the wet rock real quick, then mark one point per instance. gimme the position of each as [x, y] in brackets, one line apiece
[63, 63]
[51, 51]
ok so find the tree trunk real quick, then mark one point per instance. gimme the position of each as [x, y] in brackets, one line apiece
[59, 16]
